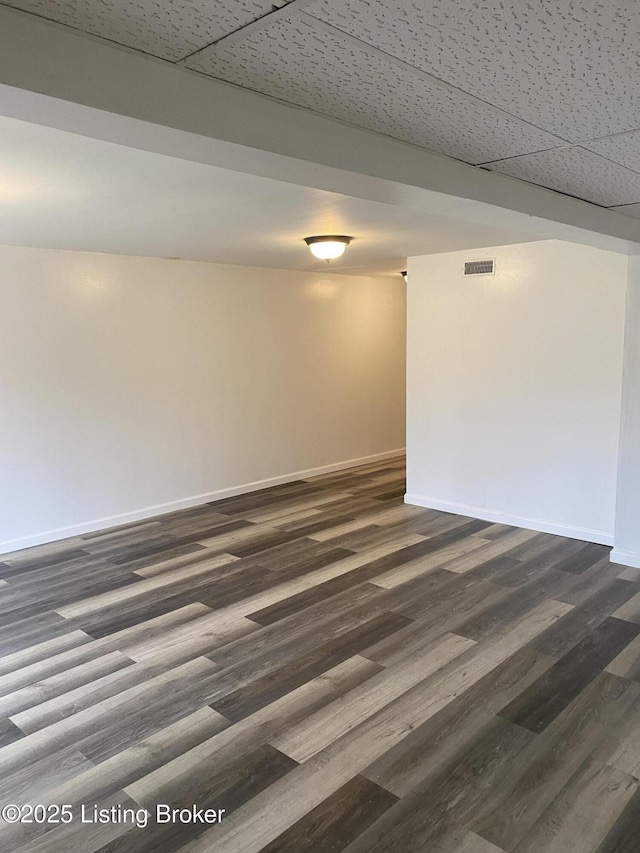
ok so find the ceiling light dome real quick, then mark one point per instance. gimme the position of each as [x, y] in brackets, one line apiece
[329, 247]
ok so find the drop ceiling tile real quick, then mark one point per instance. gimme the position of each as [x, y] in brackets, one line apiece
[569, 66]
[308, 65]
[576, 172]
[623, 148]
[163, 28]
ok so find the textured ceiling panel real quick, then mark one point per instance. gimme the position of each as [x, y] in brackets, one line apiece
[170, 29]
[624, 148]
[577, 172]
[297, 62]
[569, 66]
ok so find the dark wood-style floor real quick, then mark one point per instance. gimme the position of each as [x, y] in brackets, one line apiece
[336, 670]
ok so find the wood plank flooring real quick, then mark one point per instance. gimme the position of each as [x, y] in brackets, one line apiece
[335, 670]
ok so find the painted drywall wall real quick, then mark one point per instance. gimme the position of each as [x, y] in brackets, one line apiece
[627, 531]
[514, 386]
[135, 385]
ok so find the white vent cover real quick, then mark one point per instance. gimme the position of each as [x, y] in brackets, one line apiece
[479, 267]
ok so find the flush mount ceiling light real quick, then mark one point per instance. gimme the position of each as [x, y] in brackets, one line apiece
[329, 247]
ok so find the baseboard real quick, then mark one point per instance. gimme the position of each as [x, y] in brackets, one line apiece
[47, 536]
[582, 533]
[625, 558]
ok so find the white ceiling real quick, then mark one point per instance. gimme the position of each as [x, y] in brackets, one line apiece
[543, 90]
[63, 191]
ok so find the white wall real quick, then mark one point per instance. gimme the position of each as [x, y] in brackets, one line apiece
[627, 535]
[514, 386]
[134, 385]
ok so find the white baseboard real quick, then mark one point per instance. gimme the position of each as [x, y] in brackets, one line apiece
[583, 533]
[47, 536]
[625, 558]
